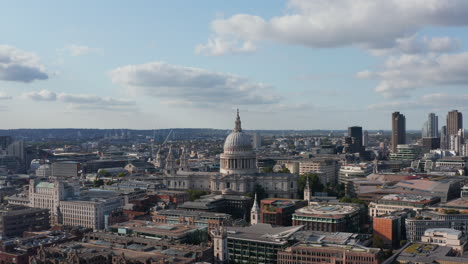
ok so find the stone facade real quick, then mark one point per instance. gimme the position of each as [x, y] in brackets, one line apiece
[238, 173]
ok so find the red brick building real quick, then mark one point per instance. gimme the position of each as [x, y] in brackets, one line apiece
[276, 211]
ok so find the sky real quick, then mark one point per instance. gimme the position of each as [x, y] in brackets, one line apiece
[297, 64]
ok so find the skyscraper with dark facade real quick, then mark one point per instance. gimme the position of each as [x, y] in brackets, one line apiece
[355, 133]
[398, 130]
[454, 122]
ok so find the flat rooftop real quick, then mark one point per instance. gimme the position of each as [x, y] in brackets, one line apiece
[266, 233]
[330, 210]
[158, 229]
[407, 198]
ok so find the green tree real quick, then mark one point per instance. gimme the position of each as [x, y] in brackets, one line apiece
[121, 175]
[196, 194]
[98, 183]
[284, 170]
[403, 242]
[314, 183]
[104, 173]
[267, 170]
[260, 191]
[378, 242]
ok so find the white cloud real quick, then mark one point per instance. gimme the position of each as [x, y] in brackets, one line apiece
[429, 101]
[43, 95]
[405, 73]
[189, 86]
[80, 50]
[84, 101]
[220, 46]
[4, 96]
[20, 66]
[373, 24]
[415, 45]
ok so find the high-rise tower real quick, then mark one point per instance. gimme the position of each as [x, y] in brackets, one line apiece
[454, 122]
[398, 130]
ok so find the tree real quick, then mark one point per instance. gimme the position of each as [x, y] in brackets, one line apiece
[314, 182]
[284, 170]
[104, 173]
[98, 183]
[267, 170]
[196, 194]
[378, 242]
[260, 191]
[403, 242]
[121, 175]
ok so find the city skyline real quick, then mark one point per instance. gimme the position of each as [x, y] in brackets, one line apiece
[153, 65]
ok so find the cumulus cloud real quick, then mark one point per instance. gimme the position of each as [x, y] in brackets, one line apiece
[189, 86]
[84, 101]
[80, 50]
[20, 66]
[324, 24]
[415, 45]
[405, 73]
[43, 95]
[220, 46]
[428, 101]
[4, 96]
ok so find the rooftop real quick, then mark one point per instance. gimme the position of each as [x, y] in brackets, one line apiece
[333, 210]
[263, 233]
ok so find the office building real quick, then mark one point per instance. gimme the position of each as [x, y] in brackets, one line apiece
[65, 169]
[365, 138]
[355, 133]
[259, 243]
[315, 253]
[396, 202]
[326, 168]
[398, 130]
[256, 140]
[353, 171]
[429, 253]
[16, 149]
[446, 237]
[444, 218]
[14, 220]
[431, 127]
[174, 232]
[406, 152]
[391, 227]
[197, 218]
[430, 143]
[454, 122]
[443, 138]
[5, 141]
[67, 207]
[328, 217]
[279, 212]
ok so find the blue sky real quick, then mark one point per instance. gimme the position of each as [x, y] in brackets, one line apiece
[294, 64]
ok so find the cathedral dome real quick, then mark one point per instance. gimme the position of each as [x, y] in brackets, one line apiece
[237, 141]
[238, 156]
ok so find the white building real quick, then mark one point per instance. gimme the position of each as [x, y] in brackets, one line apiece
[353, 171]
[326, 168]
[446, 237]
[66, 205]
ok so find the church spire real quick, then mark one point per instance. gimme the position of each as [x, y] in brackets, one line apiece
[255, 212]
[307, 191]
[238, 127]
